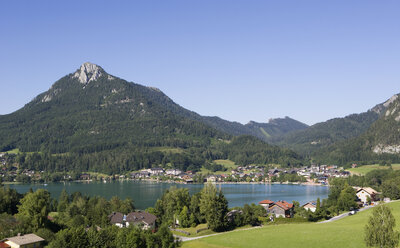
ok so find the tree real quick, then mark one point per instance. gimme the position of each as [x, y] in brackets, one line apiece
[379, 229]
[35, 207]
[390, 189]
[72, 237]
[63, 201]
[124, 206]
[347, 198]
[214, 207]
[184, 220]
[9, 199]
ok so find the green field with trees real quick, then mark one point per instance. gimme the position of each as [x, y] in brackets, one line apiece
[362, 170]
[347, 232]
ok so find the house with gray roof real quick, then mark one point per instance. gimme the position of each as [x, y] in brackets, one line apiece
[21, 241]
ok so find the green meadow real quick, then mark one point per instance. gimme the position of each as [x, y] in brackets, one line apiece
[362, 170]
[347, 232]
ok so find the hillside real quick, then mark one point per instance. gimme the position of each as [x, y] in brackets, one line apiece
[104, 123]
[324, 134]
[380, 143]
[347, 232]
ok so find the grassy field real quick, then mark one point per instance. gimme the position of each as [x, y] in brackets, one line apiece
[13, 151]
[347, 232]
[362, 170]
[227, 163]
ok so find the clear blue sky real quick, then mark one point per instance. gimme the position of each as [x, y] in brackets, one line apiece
[240, 60]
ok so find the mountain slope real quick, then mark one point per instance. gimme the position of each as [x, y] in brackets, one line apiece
[93, 109]
[380, 142]
[91, 120]
[324, 134]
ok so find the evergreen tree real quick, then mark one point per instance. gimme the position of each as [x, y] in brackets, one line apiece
[214, 207]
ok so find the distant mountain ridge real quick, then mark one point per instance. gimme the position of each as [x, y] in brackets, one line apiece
[324, 134]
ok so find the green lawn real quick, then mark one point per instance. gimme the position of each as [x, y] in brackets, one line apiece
[13, 151]
[347, 232]
[227, 163]
[362, 170]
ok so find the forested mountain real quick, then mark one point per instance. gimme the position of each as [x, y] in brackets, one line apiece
[264, 131]
[380, 143]
[324, 134]
[91, 120]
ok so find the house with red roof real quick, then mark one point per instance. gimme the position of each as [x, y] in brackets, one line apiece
[279, 208]
[266, 204]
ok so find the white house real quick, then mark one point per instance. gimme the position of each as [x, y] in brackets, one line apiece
[312, 206]
[173, 172]
[364, 193]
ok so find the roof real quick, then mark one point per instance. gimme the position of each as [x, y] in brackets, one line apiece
[266, 202]
[25, 239]
[140, 216]
[284, 205]
[116, 217]
[369, 190]
[311, 203]
[4, 245]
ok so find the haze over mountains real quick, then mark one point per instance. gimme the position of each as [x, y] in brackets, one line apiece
[92, 111]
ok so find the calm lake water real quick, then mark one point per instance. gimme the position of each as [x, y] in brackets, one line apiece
[145, 194]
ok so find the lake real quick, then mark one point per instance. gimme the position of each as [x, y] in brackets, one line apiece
[145, 193]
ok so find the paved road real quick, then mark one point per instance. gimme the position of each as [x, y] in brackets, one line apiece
[341, 216]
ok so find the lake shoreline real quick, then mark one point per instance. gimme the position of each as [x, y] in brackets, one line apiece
[145, 193]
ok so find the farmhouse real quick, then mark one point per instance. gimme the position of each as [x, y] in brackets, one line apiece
[364, 193]
[27, 240]
[279, 208]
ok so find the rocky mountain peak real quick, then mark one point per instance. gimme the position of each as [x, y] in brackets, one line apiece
[88, 72]
[390, 101]
[381, 108]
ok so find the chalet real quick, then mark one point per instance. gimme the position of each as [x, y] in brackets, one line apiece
[312, 206]
[143, 219]
[282, 209]
[364, 193]
[27, 240]
[279, 208]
